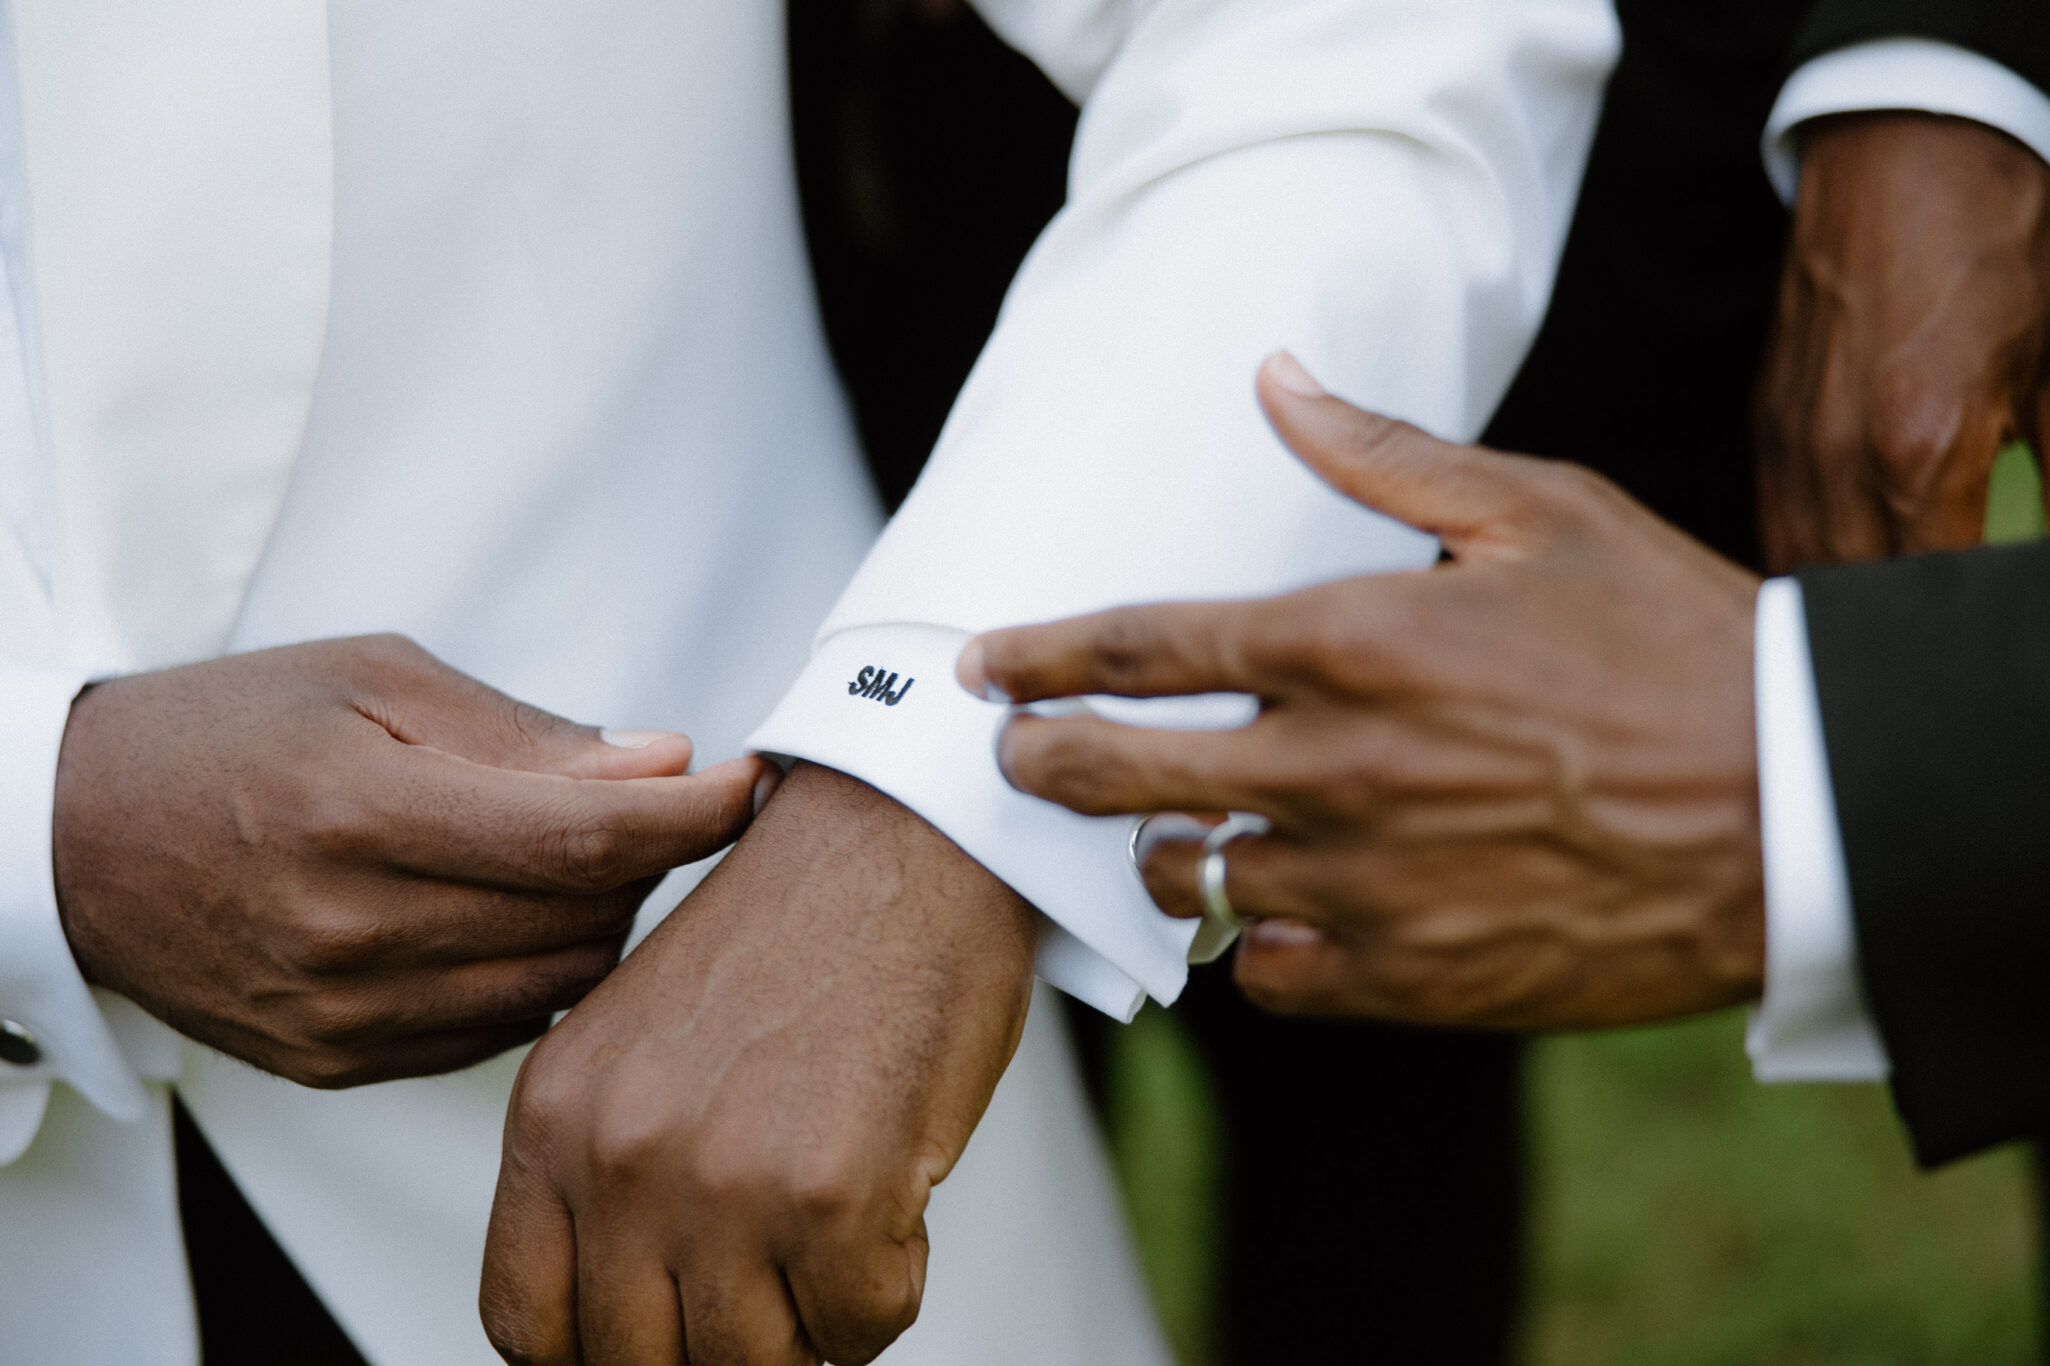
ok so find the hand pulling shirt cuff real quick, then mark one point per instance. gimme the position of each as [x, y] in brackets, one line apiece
[880, 703]
[1813, 1024]
[1917, 74]
[41, 988]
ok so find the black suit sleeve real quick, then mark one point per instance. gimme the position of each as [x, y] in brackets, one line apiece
[2015, 33]
[1934, 679]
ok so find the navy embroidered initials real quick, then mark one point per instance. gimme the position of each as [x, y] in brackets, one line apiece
[879, 685]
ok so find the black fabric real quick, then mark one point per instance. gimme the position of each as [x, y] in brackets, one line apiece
[1374, 1208]
[1934, 678]
[1645, 363]
[2015, 33]
[930, 156]
[255, 1309]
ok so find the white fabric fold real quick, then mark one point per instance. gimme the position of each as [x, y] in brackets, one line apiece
[180, 168]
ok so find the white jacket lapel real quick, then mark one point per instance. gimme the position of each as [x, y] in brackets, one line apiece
[180, 160]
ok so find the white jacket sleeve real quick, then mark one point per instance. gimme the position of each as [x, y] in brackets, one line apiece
[57, 1028]
[1382, 186]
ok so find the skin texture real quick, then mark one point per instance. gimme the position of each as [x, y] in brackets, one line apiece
[345, 862]
[1909, 344]
[1517, 790]
[723, 1156]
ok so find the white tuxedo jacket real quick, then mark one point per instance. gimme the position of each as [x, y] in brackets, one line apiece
[488, 321]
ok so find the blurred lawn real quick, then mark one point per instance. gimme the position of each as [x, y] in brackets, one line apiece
[1683, 1215]
[1686, 1216]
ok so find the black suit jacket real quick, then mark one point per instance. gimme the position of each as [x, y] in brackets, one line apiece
[2015, 33]
[1934, 678]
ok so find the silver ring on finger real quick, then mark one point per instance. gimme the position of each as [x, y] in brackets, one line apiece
[1161, 827]
[1212, 872]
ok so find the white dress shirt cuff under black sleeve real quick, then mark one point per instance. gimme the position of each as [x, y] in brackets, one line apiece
[880, 703]
[1902, 73]
[1813, 1024]
[57, 1029]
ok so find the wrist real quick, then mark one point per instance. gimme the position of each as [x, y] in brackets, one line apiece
[896, 864]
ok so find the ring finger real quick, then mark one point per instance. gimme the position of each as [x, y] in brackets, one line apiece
[1264, 876]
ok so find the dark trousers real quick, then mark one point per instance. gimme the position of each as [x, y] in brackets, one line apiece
[1373, 1185]
[255, 1309]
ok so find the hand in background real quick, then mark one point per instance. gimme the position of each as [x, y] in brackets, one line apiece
[1909, 346]
[1516, 790]
[345, 862]
[724, 1155]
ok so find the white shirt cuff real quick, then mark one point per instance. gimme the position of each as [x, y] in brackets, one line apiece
[41, 988]
[1902, 73]
[880, 703]
[1813, 1024]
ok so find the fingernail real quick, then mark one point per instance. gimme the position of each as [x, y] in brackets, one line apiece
[1284, 934]
[765, 787]
[635, 739]
[971, 671]
[1284, 369]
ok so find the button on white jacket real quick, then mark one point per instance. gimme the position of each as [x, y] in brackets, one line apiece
[488, 321]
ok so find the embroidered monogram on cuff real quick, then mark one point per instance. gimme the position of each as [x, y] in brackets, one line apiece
[933, 749]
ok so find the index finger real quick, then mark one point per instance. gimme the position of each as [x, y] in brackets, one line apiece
[1168, 649]
[437, 815]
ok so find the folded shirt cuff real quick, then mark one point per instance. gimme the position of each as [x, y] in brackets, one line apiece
[41, 988]
[1917, 74]
[880, 703]
[1813, 1024]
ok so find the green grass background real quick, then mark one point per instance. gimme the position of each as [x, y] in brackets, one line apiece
[1682, 1214]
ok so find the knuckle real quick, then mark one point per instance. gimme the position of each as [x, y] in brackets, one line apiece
[1279, 991]
[329, 943]
[509, 1332]
[513, 1331]
[587, 851]
[1326, 640]
[1564, 488]
[388, 652]
[1911, 423]
[528, 724]
[331, 1020]
[1120, 650]
[1074, 769]
[327, 1069]
[542, 1096]
[329, 821]
[1907, 454]
[828, 1187]
[626, 1151]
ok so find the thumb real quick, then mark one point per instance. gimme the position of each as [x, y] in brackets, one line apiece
[1464, 495]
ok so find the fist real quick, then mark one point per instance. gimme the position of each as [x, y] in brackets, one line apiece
[1908, 347]
[345, 862]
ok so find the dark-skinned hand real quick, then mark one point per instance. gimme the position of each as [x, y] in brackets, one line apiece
[1909, 345]
[723, 1156]
[1517, 790]
[345, 862]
